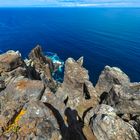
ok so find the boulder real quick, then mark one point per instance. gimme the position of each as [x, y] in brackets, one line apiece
[34, 121]
[125, 99]
[111, 76]
[10, 60]
[29, 89]
[106, 125]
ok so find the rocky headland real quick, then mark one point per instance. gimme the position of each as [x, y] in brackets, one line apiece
[35, 106]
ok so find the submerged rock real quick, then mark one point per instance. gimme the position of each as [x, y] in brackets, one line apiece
[106, 125]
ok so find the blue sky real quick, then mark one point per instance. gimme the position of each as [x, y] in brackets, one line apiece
[70, 3]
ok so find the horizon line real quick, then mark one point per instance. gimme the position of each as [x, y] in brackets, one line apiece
[96, 6]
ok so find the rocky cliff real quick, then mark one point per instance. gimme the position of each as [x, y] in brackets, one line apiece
[35, 106]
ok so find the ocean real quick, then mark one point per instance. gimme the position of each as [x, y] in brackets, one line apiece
[104, 36]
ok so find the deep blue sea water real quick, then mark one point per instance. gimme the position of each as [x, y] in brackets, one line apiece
[104, 36]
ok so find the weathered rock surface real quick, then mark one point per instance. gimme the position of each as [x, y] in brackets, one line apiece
[14, 74]
[43, 66]
[125, 99]
[51, 99]
[34, 121]
[9, 61]
[35, 106]
[107, 125]
[15, 95]
[111, 76]
[2, 83]
[135, 124]
[76, 90]
[44, 126]
[31, 89]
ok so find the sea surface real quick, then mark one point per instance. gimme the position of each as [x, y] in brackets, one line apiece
[104, 36]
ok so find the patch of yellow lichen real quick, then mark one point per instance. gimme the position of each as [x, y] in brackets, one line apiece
[15, 125]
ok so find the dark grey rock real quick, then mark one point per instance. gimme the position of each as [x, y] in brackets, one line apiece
[125, 99]
[2, 83]
[135, 124]
[42, 67]
[106, 125]
[111, 76]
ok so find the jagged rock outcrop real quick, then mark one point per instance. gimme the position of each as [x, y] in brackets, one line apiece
[106, 125]
[111, 76]
[43, 67]
[77, 91]
[125, 99]
[34, 105]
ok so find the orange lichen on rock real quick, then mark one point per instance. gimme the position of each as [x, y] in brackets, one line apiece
[15, 126]
[28, 84]
[22, 84]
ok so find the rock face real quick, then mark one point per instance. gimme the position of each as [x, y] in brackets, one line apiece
[125, 99]
[76, 90]
[9, 61]
[42, 65]
[38, 122]
[30, 89]
[35, 106]
[109, 77]
[107, 125]
[2, 83]
[51, 99]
